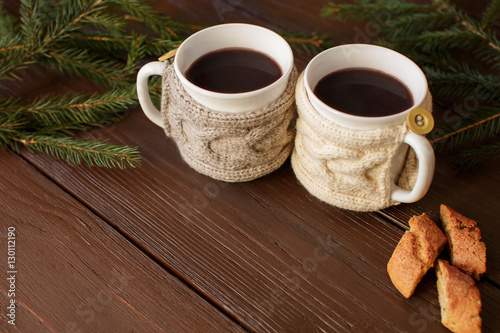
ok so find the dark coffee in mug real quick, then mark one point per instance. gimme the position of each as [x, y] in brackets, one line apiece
[364, 92]
[233, 70]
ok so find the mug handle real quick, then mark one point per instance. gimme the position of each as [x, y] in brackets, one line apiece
[426, 165]
[152, 68]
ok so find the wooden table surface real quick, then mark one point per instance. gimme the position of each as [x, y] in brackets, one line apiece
[162, 248]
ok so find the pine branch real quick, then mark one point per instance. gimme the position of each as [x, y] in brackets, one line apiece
[491, 14]
[11, 50]
[437, 41]
[66, 113]
[10, 124]
[473, 157]
[30, 18]
[481, 123]
[462, 81]
[70, 20]
[308, 44]
[489, 49]
[366, 9]
[160, 24]
[136, 52]
[406, 26]
[39, 33]
[118, 45]
[8, 24]
[105, 22]
[92, 153]
[426, 22]
[78, 62]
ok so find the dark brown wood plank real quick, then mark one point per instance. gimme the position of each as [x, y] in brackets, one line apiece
[76, 274]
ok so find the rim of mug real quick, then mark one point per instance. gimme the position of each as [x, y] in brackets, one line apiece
[284, 75]
[374, 121]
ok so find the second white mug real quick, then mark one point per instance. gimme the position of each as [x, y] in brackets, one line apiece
[397, 65]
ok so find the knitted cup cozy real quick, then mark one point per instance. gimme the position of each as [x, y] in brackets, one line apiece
[232, 147]
[348, 168]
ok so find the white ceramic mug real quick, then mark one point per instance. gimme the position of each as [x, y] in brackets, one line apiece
[392, 63]
[222, 36]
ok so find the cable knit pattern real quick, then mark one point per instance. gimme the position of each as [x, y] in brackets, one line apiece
[226, 146]
[347, 168]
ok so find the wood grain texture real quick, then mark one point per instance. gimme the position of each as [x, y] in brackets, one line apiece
[265, 253]
[269, 253]
[76, 274]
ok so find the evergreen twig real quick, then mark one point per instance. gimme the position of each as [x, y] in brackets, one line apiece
[472, 129]
[491, 14]
[69, 113]
[49, 35]
[473, 157]
[308, 44]
[89, 39]
[76, 151]
[460, 81]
